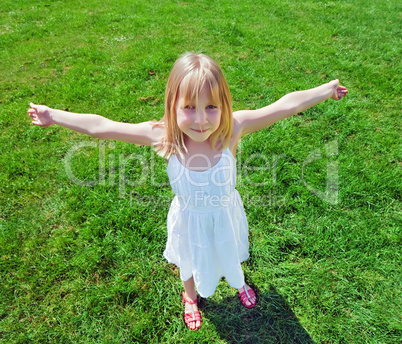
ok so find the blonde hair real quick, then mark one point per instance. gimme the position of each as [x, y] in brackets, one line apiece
[192, 73]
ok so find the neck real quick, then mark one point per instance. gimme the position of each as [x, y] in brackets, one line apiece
[199, 156]
[204, 146]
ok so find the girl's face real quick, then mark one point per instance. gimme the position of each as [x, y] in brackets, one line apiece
[198, 121]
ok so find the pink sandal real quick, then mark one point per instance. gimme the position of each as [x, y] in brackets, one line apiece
[192, 317]
[246, 296]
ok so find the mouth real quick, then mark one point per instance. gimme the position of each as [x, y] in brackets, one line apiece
[200, 130]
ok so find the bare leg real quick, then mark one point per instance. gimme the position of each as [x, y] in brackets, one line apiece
[191, 295]
[189, 288]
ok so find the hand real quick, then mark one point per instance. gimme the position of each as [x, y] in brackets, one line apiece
[338, 92]
[40, 115]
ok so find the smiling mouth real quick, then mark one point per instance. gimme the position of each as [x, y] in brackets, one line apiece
[199, 130]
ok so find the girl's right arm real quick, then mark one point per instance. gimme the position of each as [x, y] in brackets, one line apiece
[145, 133]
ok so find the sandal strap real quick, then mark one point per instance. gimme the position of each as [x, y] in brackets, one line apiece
[189, 301]
[194, 316]
[190, 317]
[245, 296]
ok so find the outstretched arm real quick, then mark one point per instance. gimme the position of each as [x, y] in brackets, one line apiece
[145, 133]
[249, 121]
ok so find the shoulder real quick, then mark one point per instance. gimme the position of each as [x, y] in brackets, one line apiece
[236, 135]
[156, 129]
[239, 122]
[237, 127]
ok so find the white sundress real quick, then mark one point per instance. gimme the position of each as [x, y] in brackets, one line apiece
[207, 225]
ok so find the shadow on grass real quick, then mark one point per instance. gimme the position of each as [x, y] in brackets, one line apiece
[271, 321]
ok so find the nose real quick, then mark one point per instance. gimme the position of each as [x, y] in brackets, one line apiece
[201, 117]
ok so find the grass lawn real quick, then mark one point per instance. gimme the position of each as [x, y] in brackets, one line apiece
[83, 221]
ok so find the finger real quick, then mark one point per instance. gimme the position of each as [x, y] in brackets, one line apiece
[38, 123]
[32, 110]
[341, 95]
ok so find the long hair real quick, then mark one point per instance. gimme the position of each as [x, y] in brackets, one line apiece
[191, 74]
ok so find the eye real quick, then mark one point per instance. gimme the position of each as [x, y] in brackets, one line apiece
[189, 107]
[211, 107]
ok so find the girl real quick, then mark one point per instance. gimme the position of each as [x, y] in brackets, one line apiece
[198, 136]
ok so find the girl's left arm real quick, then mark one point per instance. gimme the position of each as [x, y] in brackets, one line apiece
[248, 121]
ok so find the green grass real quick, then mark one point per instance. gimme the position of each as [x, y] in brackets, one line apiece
[83, 264]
